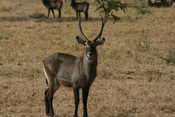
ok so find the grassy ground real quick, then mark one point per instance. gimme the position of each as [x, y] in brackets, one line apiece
[136, 69]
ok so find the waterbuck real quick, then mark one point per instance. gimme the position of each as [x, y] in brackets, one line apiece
[73, 71]
[159, 3]
[53, 4]
[80, 7]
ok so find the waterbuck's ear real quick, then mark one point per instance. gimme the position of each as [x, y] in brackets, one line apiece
[100, 41]
[80, 40]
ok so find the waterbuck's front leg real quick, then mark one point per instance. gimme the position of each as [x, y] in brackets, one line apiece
[77, 100]
[85, 100]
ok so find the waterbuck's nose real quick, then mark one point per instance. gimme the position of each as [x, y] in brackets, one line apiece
[89, 54]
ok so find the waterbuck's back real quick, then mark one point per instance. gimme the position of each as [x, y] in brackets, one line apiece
[61, 66]
[52, 3]
[82, 6]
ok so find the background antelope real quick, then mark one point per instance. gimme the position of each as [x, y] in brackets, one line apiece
[80, 7]
[158, 3]
[53, 4]
[72, 71]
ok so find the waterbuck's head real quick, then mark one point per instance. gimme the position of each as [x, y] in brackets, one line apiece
[90, 45]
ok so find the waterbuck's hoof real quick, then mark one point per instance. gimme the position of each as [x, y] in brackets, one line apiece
[50, 114]
[85, 115]
[75, 116]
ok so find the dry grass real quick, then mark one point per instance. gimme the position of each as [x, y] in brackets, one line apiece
[134, 77]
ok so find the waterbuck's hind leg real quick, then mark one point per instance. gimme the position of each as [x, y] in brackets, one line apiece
[49, 93]
[77, 100]
[77, 14]
[86, 15]
[48, 12]
[59, 11]
[53, 13]
[53, 86]
[85, 94]
[48, 103]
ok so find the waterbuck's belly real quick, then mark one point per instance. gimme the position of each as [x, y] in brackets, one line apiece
[69, 80]
[64, 76]
[82, 82]
[54, 5]
[65, 83]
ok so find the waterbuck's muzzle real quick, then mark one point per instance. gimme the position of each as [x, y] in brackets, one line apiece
[89, 54]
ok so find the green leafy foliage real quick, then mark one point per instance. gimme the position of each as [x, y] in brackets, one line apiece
[109, 7]
[170, 59]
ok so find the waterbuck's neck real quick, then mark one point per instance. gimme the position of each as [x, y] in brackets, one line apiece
[89, 66]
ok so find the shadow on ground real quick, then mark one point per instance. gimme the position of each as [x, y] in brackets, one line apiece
[119, 115]
[123, 115]
[42, 18]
